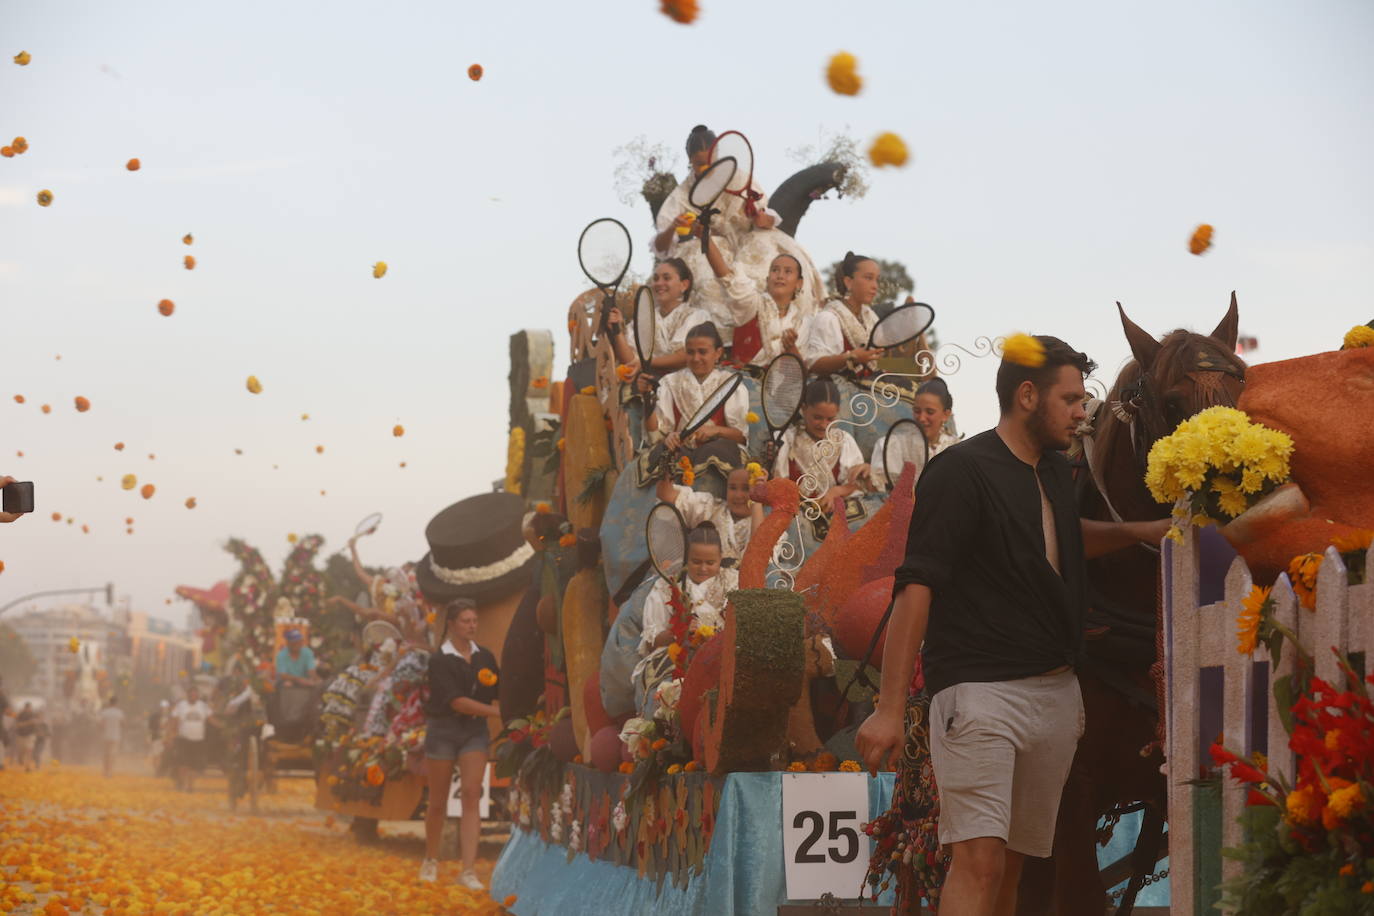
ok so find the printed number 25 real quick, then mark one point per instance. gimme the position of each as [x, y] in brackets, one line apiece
[851, 836]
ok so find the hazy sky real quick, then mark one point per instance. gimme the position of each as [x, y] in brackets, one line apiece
[1063, 153]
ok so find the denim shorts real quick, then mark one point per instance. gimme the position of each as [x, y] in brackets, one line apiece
[446, 738]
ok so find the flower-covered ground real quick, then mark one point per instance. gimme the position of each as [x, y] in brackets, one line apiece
[74, 842]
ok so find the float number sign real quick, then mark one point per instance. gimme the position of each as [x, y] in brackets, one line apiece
[823, 845]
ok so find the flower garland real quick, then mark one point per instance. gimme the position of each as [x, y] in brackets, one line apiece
[1216, 465]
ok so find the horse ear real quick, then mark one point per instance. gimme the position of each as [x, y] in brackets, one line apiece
[1143, 346]
[1229, 329]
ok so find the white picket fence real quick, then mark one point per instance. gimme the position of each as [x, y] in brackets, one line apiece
[1204, 636]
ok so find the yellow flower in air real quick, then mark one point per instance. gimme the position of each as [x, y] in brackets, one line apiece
[888, 149]
[44, 198]
[1024, 350]
[751, 417]
[23, 58]
[840, 74]
[379, 270]
[74, 645]
[254, 386]
[291, 538]
[487, 677]
[189, 262]
[1361, 335]
[1201, 239]
[128, 482]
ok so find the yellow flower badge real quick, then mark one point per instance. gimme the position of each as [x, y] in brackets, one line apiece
[1361, 335]
[888, 149]
[1201, 239]
[486, 677]
[379, 270]
[1024, 350]
[840, 74]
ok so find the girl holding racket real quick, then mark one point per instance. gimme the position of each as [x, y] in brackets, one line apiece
[735, 517]
[825, 462]
[672, 284]
[768, 321]
[840, 333]
[683, 391]
[932, 409]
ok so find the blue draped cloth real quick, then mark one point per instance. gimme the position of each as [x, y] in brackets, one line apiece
[742, 873]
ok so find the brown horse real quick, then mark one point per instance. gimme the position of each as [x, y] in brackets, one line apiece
[1118, 758]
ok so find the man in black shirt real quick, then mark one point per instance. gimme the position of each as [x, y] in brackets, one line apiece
[995, 566]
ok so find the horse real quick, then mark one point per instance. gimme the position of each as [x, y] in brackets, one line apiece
[1117, 765]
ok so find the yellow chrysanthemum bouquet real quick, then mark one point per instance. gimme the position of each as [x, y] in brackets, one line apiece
[1216, 465]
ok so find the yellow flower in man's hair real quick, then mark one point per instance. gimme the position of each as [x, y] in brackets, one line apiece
[888, 149]
[1024, 350]
[751, 417]
[1201, 239]
[1361, 335]
[841, 74]
[379, 270]
[487, 677]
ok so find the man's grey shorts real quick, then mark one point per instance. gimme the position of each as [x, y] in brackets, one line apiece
[1001, 752]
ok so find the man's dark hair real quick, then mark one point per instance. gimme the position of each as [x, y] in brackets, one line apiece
[1057, 354]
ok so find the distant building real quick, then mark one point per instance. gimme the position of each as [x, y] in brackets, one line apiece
[49, 635]
[155, 650]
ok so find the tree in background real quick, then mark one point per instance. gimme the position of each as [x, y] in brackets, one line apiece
[16, 662]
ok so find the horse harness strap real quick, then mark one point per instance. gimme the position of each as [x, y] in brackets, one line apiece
[1095, 466]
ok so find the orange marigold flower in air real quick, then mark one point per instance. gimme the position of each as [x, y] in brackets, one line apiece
[189, 262]
[128, 482]
[147, 491]
[166, 307]
[187, 239]
[888, 149]
[133, 165]
[486, 677]
[82, 404]
[683, 11]
[119, 446]
[1201, 239]
[379, 270]
[57, 516]
[46, 408]
[398, 430]
[319, 450]
[475, 72]
[191, 502]
[44, 198]
[18, 399]
[7, 152]
[841, 74]
[20, 145]
[254, 386]
[23, 58]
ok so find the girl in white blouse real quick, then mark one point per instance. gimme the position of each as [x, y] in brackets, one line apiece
[932, 408]
[734, 517]
[768, 321]
[839, 333]
[673, 285]
[825, 462]
[682, 392]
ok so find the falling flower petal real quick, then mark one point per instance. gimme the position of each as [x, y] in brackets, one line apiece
[403, 464]
[18, 399]
[166, 307]
[888, 149]
[398, 430]
[187, 239]
[238, 451]
[85, 529]
[7, 152]
[74, 645]
[379, 270]
[82, 404]
[46, 408]
[319, 450]
[57, 516]
[23, 58]
[44, 198]
[291, 538]
[475, 72]
[119, 446]
[841, 74]
[683, 11]
[19, 453]
[305, 416]
[1201, 239]
[191, 502]
[128, 481]
[19, 145]
[254, 386]
[133, 165]
[129, 520]
[147, 491]
[189, 262]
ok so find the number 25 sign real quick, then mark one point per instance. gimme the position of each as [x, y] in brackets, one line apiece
[822, 843]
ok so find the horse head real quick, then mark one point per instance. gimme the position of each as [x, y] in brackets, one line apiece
[1167, 381]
